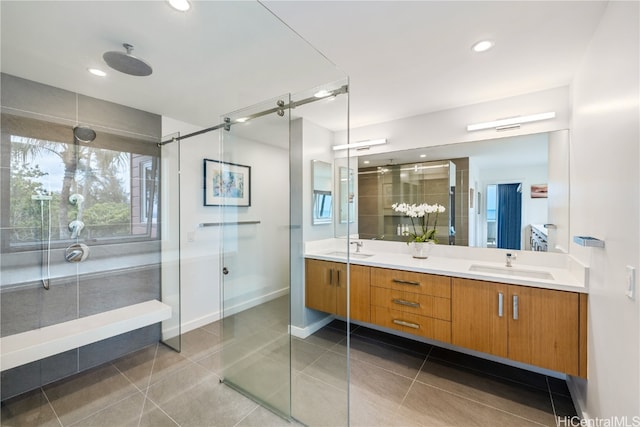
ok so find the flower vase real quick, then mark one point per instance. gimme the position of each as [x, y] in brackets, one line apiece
[421, 250]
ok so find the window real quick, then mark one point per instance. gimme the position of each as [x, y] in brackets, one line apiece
[110, 186]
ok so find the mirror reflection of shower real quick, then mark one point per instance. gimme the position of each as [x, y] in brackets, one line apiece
[45, 237]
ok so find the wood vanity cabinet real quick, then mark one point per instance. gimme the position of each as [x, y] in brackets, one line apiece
[536, 326]
[415, 303]
[326, 288]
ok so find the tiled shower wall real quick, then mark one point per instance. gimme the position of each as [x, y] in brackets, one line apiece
[372, 222]
[114, 275]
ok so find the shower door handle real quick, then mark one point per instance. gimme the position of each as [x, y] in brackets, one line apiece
[225, 270]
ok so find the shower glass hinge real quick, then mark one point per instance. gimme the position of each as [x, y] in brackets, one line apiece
[227, 124]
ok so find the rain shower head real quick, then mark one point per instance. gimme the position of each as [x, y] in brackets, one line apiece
[126, 63]
[84, 134]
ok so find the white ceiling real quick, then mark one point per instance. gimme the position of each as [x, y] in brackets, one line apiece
[402, 58]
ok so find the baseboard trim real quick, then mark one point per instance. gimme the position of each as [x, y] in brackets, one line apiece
[312, 328]
[217, 315]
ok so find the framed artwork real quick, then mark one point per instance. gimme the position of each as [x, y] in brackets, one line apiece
[227, 184]
[539, 191]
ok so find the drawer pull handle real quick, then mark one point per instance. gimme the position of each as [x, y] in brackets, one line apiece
[407, 303]
[405, 282]
[407, 324]
[330, 277]
[500, 304]
[515, 307]
[338, 281]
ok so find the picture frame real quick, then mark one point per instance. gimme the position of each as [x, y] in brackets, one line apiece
[226, 184]
[539, 191]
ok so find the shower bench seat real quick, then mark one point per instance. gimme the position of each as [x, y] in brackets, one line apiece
[25, 347]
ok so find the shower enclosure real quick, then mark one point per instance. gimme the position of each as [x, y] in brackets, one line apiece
[107, 218]
[80, 228]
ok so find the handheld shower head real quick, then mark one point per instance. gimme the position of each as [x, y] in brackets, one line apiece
[84, 134]
[75, 227]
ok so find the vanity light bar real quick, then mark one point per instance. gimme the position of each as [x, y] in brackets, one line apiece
[512, 121]
[360, 144]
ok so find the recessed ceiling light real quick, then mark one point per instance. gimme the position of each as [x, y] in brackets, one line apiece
[96, 72]
[181, 5]
[423, 156]
[242, 119]
[482, 46]
[366, 162]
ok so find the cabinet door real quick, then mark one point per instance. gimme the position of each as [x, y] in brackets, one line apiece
[479, 320]
[360, 301]
[543, 328]
[320, 289]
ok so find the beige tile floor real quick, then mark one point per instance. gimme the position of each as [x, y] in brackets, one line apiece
[393, 382]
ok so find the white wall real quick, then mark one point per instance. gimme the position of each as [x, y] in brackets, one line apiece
[200, 254]
[258, 269]
[449, 126]
[604, 204]
[309, 142]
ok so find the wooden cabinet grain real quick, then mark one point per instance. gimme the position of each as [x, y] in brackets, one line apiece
[531, 325]
[326, 289]
[416, 303]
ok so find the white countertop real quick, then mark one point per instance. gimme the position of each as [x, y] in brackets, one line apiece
[456, 261]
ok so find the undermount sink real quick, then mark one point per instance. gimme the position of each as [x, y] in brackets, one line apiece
[346, 254]
[510, 271]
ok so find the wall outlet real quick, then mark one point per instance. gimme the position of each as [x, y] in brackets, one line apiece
[631, 283]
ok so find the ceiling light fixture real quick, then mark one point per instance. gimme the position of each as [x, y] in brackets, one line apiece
[180, 5]
[97, 72]
[482, 46]
[512, 121]
[360, 144]
[242, 119]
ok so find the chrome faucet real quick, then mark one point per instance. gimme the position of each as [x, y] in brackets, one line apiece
[358, 245]
[510, 257]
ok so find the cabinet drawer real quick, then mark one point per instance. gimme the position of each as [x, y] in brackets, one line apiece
[427, 327]
[408, 302]
[419, 283]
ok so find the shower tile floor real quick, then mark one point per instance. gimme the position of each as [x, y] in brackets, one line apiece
[394, 382]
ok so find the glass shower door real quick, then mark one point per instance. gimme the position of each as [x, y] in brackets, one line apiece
[250, 181]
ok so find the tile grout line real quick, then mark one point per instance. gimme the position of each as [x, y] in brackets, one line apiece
[249, 413]
[456, 394]
[146, 390]
[414, 379]
[481, 403]
[553, 405]
[51, 406]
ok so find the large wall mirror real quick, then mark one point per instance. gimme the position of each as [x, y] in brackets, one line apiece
[510, 192]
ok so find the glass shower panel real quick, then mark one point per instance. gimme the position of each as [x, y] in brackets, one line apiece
[170, 239]
[320, 341]
[250, 181]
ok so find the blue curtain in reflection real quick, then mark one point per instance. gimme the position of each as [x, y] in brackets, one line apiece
[509, 215]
